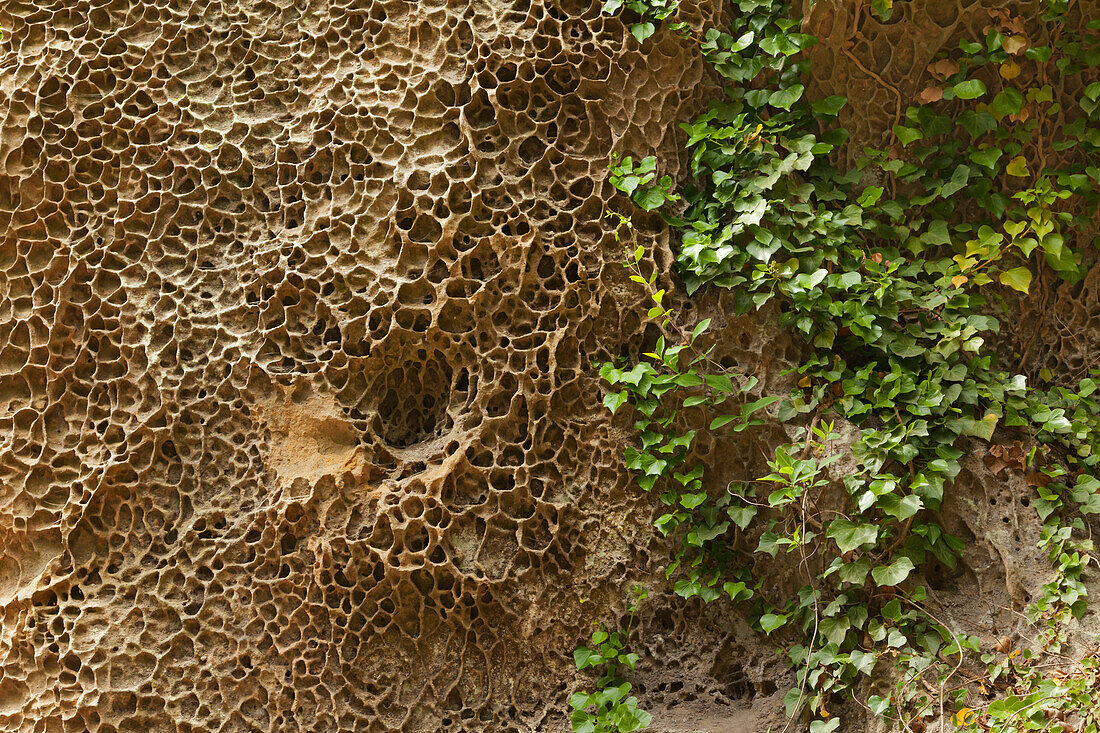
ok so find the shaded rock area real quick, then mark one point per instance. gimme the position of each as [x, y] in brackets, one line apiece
[298, 425]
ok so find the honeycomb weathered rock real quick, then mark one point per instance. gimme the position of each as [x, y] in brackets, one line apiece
[297, 428]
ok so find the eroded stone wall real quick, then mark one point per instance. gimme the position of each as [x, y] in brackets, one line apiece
[297, 427]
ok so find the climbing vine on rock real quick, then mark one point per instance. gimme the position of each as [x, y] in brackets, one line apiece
[894, 273]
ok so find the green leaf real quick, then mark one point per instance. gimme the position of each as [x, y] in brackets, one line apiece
[883, 8]
[642, 31]
[870, 196]
[690, 501]
[878, 705]
[987, 157]
[1007, 102]
[863, 661]
[721, 421]
[584, 657]
[850, 536]
[893, 574]
[649, 198]
[737, 591]
[703, 325]
[614, 400]
[1039, 53]
[969, 89]
[751, 407]
[1018, 278]
[978, 428]
[907, 135]
[769, 543]
[829, 106]
[741, 515]
[720, 382]
[769, 622]
[784, 98]
[900, 507]
[793, 701]
[855, 572]
[823, 726]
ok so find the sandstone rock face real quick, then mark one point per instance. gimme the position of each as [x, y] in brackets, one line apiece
[298, 427]
[297, 424]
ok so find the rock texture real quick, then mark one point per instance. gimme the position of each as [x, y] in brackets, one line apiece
[297, 425]
[298, 429]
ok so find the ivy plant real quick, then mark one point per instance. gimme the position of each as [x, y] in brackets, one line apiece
[894, 273]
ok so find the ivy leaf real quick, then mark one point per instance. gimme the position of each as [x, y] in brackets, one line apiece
[900, 507]
[894, 573]
[863, 661]
[784, 98]
[822, 726]
[769, 622]
[1014, 44]
[987, 157]
[878, 705]
[1007, 102]
[642, 31]
[741, 515]
[907, 135]
[855, 572]
[969, 89]
[792, 701]
[849, 535]
[1009, 70]
[1017, 167]
[977, 123]
[614, 400]
[751, 407]
[584, 657]
[690, 501]
[1018, 278]
[769, 543]
[930, 94]
[830, 106]
[1039, 53]
[978, 428]
[737, 591]
[649, 198]
[870, 196]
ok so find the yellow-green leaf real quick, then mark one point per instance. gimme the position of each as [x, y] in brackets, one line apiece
[969, 89]
[1018, 278]
[1017, 167]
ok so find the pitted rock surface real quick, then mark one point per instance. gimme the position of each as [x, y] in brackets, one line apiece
[298, 425]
